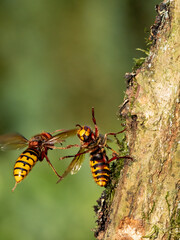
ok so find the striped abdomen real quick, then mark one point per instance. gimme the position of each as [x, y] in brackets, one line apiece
[24, 163]
[100, 170]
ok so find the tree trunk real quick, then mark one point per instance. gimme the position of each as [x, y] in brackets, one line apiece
[145, 204]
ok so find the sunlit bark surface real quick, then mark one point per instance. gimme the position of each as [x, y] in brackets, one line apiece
[145, 205]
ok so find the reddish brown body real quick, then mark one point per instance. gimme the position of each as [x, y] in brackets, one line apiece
[95, 144]
[38, 147]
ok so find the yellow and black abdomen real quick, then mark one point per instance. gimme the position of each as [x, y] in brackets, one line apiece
[100, 170]
[24, 163]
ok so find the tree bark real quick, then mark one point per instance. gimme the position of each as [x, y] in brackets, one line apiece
[145, 204]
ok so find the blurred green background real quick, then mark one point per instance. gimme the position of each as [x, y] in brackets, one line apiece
[57, 60]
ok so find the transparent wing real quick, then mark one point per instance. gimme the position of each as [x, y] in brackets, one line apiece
[76, 163]
[109, 140]
[12, 141]
[62, 135]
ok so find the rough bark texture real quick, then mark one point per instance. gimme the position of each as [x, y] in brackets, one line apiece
[145, 205]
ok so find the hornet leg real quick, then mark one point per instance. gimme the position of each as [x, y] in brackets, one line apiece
[14, 187]
[78, 154]
[69, 146]
[54, 170]
[94, 121]
[114, 134]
